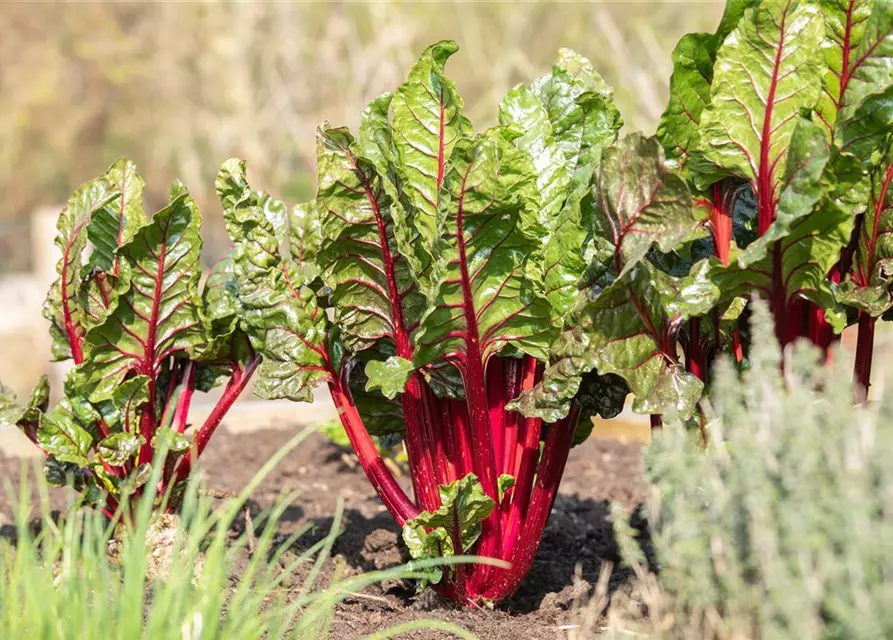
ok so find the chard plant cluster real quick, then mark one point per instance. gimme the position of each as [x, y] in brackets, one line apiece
[484, 295]
[128, 309]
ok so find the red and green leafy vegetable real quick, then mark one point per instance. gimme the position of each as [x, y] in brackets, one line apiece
[430, 282]
[143, 336]
[797, 120]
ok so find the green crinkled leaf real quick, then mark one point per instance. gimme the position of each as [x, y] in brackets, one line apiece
[801, 187]
[170, 441]
[27, 415]
[220, 297]
[627, 329]
[630, 326]
[504, 482]
[522, 108]
[870, 63]
[281, 314]
[123, 409]
[427, 123]
[868, 289]
[875, 300]
[424, 545]
[693, 61]
[576, 120]
[551, 399]
[640, 202]
[484, 300]
[65, 432]
[120, 448]
[375, 294]
[62, 307]
[221, 311]
[698, 292]
[374, 137]
[390, 376]
[158, 316]
[568, 251]
[136, 479]
[57, 473]
[116, 223]
[600, 395]
[767, 70]
[601, 125]
[464, 507]
[565, 118]
[580, 107]
[867, 133]
[92, 482]
[98, 294]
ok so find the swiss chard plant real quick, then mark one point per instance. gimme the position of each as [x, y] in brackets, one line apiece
[431, 282]
[143, 334]
[781, 123]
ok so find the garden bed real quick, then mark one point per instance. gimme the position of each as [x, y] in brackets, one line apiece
[578, 532]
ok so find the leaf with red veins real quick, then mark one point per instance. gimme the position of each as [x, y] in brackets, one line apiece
[27, 416]
[866, 108]
[67, 432]
[157, 316]
[639, 202]
[627, 329]
[693, 60]
[632, 327]
[800, 186]
[485, 301]
[845, 22]
[870, 63]
[869, 287]
[63, 306]
[815, 219]
[427, 123]
[767, 71]
[280, 312]
[365, 247]
[104, 275]
[116, 223]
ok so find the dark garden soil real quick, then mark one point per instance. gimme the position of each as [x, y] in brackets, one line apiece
[599, 471]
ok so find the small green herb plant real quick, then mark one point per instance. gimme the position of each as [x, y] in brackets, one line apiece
[783, 527]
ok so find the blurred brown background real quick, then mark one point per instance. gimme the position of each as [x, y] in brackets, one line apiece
[180, 86]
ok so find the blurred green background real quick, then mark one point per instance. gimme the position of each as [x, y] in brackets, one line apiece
[179, 87]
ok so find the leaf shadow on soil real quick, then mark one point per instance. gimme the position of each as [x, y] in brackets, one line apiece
[577, 540]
